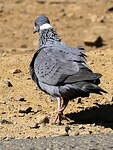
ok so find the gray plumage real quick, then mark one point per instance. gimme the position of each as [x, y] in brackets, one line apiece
[59, 69]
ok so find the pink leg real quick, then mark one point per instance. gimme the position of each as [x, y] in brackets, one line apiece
[59, 108]
[59, 116]
[59, 103]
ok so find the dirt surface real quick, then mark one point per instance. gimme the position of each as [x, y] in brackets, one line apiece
[25, 111]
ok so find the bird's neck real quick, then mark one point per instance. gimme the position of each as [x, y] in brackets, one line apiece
[48, 35]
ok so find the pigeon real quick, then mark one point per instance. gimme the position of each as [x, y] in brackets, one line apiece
[60, 70]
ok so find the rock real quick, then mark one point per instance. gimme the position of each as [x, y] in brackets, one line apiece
[23, 46]
[37, 108]
[24, 109]
[64, 134]
[52, 98]
[1, 127]
[67, 128]
[16, 71]
[90, 132]
[74, 133]
[1, 8]
[42, 119]
[1, 51]
[36, 88]
[63, 131]
[110, 9]
[62, 13]
[21, 115]
[28, 78]
[4, 121]
[81, 127]
[2, 102]
[11, 98]
[95, 18]
[18, 1]
[79, 101]
[102, 19]
[3, 112]
[97, 43]
[8, 83]
[41, 1]
[22, 99]
[34, 125]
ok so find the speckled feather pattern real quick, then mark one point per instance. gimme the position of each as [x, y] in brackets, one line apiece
[61, 70]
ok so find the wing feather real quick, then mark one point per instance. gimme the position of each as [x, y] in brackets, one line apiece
[55, 65]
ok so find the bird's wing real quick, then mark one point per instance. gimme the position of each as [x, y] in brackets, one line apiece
[54, 65]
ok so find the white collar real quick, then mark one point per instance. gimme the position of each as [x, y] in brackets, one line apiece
[45, 26]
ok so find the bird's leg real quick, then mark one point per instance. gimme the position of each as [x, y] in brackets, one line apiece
[59, 108]
[59, 116]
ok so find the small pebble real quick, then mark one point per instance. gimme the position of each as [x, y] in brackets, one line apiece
[42, 119]
[76, 133]
[90, 132]
[67, 128]
[3, 112]
[21, 115]
[28, 78]
[18, 1]
[4, 121]
[2, 102]
[79, 101]
[52, 98]
[24, 109]
[37, 108]
[24, 46]
[81, 127]
[112, 99]
[8, 83]
[1, 51]
[22, 99]
[34, 125]
[1, 127]
[110, 9]
[1, 8]
[16, 71]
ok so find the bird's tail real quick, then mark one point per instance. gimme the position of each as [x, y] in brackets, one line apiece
[93, 88]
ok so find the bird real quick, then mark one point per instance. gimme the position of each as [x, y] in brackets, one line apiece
[60, 70]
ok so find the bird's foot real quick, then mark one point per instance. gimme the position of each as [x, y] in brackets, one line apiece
[59, 117]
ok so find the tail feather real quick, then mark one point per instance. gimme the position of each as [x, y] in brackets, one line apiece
[93, 88]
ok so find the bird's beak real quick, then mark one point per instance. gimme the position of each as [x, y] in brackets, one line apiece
[36, 29]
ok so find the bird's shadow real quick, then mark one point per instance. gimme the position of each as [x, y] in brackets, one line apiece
[100, 115]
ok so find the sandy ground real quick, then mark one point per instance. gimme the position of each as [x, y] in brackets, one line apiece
[25, 110]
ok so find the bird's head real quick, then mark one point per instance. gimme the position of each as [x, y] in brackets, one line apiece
[41, 22]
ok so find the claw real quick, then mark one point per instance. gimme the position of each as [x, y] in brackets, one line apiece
[59, 117]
